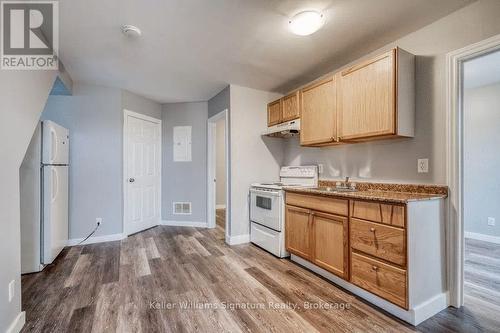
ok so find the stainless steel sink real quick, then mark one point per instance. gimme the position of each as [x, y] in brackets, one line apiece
[337, 189]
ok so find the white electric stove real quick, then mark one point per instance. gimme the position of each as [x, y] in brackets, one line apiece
[267, 207]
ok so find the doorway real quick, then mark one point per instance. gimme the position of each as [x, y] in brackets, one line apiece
[481, 181]
[218, 172]
[472, 115]
[142, 172]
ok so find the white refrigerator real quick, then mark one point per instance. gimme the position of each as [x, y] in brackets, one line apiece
[44, 183]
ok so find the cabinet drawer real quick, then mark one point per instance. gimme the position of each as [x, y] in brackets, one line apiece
[323, 204]
[379, 212]
[385, 242]
[384, 280]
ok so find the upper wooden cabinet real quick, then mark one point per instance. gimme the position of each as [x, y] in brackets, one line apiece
[375, 98]
[318, 113]
[283, 109]
[274, 113]
[290, 107]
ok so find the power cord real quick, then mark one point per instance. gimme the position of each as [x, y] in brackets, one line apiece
[93, 232]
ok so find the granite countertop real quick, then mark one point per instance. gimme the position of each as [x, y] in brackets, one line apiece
[371, 194]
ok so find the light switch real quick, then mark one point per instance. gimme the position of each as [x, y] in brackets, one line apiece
[491, 221]
[423, 165]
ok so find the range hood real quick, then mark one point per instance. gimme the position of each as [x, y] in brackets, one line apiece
[284, 130]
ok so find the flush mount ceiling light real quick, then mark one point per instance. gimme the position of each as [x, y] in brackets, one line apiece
[306, 23]
[131, 31]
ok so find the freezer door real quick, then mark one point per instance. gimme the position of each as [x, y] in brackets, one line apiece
[55, 144]
[55, 211]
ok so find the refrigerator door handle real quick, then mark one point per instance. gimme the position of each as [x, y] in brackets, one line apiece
[53, 142]
[55, 184]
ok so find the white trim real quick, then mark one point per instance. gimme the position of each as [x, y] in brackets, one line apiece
[184, 223]
[220, 206]
[236, 240]
[413, 316]
[127, 113]
[454, 162]
[482, 237]
[97, 239]
[17, 324]
[211, 202]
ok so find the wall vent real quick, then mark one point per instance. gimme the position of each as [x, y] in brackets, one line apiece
[182, 208]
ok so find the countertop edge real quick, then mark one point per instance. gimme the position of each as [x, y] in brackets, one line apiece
[356, 196]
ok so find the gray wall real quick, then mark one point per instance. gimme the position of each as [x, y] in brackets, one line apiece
[136, 103]
[185, 181]
[220, 162]
[396, 160]
[482, 159]
[23, 96]
[94, 116]
[219, 102]
[253, 158]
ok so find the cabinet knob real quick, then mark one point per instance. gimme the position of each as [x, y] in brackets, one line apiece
[372, 229]
[375, 268]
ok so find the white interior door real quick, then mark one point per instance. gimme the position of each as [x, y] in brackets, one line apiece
[142, 161]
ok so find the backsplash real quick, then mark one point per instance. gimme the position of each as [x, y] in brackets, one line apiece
[380, 161]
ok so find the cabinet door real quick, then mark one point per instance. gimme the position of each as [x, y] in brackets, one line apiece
[330, 243]
[274, 113]
[367, 98]
[298, 231]
[317, 118]
[290, 107]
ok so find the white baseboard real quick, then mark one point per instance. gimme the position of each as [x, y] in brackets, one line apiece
[413, 316]
[429, 308]
[236, 240]
[220, 206]
[96, 239]
[17, 325]
[184, 223]
[482, 237]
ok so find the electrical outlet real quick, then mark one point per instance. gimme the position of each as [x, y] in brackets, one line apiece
[423, 165]
[320, 168]
[98, 220]
[491, 221]
[12, 284]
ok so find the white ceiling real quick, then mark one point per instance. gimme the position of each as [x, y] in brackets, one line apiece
[191, 49]
[482, 71]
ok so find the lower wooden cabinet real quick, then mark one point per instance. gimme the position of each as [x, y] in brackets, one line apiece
[386, 281]
[363, 242]
[298, 231]
[318, 237]
[330, 243]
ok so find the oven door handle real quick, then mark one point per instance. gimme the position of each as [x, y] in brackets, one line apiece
[266, 193]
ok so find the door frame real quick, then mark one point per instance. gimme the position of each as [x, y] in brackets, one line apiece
[126, 114]
[454, 161]
[211, 168]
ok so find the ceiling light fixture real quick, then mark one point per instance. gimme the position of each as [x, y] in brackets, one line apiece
[131, 31]
[306, 23]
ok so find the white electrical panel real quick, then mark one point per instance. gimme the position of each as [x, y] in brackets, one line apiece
[182, 144]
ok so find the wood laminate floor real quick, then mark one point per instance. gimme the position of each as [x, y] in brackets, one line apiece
[172, 279]
[220, 218]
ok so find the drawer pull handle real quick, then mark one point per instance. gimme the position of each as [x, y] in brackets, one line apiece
[375, 268]
[372, 229]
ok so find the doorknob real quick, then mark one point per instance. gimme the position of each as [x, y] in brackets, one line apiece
[131, 180]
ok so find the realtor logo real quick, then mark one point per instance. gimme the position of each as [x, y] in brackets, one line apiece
[29, 35]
